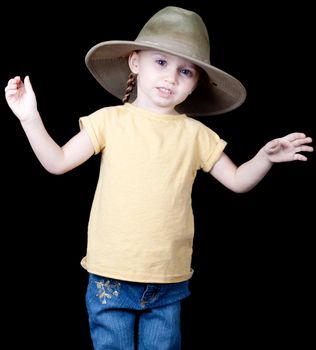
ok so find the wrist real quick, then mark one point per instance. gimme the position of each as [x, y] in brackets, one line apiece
[263, 154]
[30, 118]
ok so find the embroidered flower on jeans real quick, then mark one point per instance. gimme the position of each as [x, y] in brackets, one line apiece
[108, 289]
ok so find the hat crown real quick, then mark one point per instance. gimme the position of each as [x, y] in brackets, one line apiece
[179, 30]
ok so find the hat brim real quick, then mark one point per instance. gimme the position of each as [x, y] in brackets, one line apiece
[108, 63]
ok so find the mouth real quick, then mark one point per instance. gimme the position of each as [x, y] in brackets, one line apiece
[164, 91]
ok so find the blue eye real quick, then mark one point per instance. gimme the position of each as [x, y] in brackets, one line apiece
[186, 72]
[161, 62]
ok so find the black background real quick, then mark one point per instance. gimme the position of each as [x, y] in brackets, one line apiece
[253, 253]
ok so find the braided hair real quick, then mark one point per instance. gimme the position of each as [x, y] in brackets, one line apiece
[131, 82]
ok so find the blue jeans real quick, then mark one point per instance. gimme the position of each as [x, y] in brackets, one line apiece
[129, 316]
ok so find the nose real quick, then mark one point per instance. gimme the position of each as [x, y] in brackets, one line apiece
[171, 75]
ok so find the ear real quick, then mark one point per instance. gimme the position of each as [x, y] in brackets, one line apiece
[133, 62]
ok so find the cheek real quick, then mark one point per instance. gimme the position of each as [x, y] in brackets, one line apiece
[194, 85]
[147, 75]
[190, 87]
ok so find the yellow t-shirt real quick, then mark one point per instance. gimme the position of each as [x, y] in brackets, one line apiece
[141, 222]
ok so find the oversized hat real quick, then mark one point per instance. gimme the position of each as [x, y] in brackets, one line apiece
[178, 32]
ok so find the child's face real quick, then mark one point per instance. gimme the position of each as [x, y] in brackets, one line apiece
[163, 80]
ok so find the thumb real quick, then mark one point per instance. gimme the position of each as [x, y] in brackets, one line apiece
[272, 145]
[27, 84]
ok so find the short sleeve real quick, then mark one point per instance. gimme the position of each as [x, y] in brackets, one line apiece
[95, 125]
[210, 146]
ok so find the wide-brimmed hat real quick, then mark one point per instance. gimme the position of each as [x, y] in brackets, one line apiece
[178, 32]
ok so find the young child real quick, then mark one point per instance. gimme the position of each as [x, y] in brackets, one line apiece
[140, 231]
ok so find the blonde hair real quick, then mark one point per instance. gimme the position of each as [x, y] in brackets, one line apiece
[131, 82]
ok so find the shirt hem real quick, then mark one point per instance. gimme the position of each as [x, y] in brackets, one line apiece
[137, 277]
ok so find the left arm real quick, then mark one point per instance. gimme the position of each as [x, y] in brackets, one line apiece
[249, 174]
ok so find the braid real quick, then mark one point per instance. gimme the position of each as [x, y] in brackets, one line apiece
[131, 82]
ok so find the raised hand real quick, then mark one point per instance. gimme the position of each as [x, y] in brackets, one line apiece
[21, 98]
[288, 148]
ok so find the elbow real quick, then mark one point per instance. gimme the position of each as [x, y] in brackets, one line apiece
[242, 186]
[241, 190]
[238, 188]
[55, 170]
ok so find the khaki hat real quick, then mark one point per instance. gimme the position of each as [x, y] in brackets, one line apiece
[178, 32]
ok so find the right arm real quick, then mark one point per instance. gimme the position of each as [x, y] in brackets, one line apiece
[55, 159]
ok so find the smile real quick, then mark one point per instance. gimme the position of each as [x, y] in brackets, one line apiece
[165, 91]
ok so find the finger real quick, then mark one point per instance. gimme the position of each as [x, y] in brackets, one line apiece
[10, 83]
[301, 142]
[294, 136]
[301, 157]
[11, 88]
[305, 148]
[15, 80]
[10, 93]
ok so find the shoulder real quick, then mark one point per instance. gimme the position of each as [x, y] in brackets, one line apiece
[106, 111]
[199, 128]
[104, 115]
